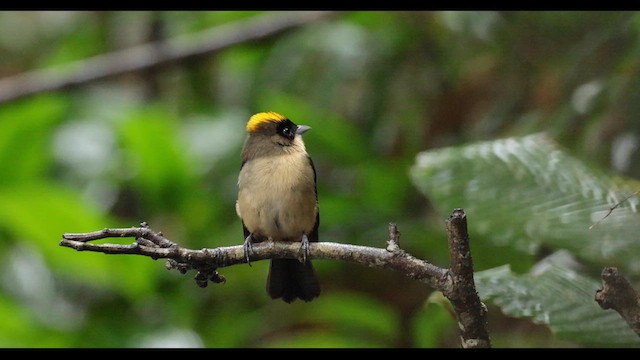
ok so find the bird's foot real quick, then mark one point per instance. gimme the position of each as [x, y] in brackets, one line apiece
[304, 249]
[248, 248]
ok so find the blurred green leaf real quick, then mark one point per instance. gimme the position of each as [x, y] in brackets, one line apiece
[244, 330]
[557, 297]
[78, 45]
[191, 21]
[20, 330]
[25, 128]
[434, 322]
[527, 191]
[344, 320]
[322, 339]
[39, 213]
[156, 159]
[348, 312]
[382, 188]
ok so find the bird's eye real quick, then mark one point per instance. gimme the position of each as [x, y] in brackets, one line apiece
[287, 129]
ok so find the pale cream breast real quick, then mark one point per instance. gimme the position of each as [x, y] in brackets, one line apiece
[277, 196]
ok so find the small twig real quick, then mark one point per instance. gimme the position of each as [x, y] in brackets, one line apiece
[618, 294]
[393, 244]
[613, 208]
[470, 311]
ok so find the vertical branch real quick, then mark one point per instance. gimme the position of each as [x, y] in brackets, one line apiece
[618, 294]
[470, 311]
[156, 33]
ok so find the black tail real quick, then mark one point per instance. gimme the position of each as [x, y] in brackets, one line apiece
[290, 279]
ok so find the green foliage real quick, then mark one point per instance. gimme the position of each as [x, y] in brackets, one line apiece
[560, 298]
[159, 168]
[526, 193]
[344, 320]
[434, 322]
[377, 88]
[22, 160]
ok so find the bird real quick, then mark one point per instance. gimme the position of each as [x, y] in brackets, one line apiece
[278, 201]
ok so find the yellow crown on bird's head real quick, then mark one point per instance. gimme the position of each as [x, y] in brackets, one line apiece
[260, 118]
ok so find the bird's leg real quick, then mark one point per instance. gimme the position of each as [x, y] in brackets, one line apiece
[304, 248]
[248, 248]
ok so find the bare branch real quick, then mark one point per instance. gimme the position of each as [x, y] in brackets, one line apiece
[470, 311]
[159, 247]
[618, 294]
[456, 284]
[155, 54]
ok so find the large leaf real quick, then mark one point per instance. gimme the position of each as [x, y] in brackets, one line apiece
[527, 191]
[557, 297]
